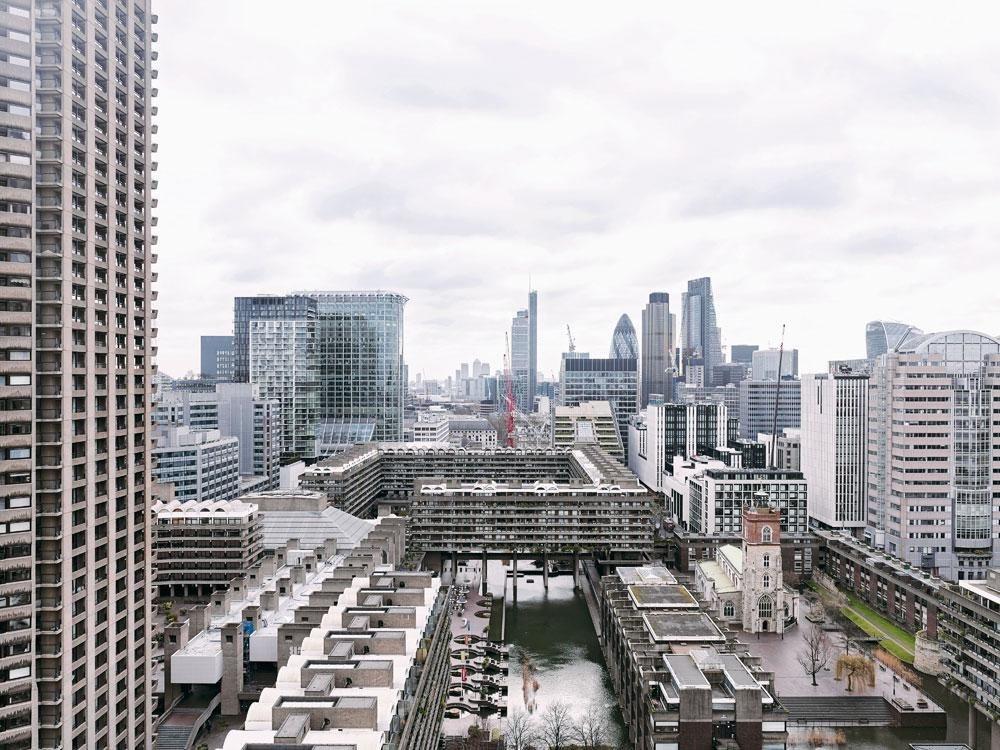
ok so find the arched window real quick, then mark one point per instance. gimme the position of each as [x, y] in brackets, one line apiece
[765, 534]
[767, 561]
[765, 608]
[728, 610]
[766, 581]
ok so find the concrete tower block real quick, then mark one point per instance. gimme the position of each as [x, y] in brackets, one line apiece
[232, 669]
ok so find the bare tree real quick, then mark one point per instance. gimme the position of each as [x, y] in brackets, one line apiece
[557, 726]
[519, 731]
[591, 730]
[816, 653]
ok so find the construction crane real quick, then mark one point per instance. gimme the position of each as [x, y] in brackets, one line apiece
[508, 396]
[572, 344]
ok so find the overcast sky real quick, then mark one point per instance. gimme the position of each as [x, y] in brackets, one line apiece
[825, 164]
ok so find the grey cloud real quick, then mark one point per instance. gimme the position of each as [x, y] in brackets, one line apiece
[810, 189]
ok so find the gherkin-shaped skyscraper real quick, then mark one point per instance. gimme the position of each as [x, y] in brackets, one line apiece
[624, 344]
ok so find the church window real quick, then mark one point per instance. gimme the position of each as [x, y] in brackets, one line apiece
[765, 608]
[765, 534]
[728, 610]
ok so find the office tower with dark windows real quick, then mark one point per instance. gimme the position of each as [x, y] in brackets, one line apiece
[834, 448]
[360, 363]
[657, 348]
[933, 460]
[582, 379]
[624, 344]
[742, 353]
[213, 350]
[76, 373]
[882, 336]
[701, 338]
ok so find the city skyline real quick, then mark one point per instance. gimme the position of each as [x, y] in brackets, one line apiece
[413, 171]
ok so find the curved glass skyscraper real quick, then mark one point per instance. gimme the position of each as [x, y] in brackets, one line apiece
[624, 344]
[883, 336]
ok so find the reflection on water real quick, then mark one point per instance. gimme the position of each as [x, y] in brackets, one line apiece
[552, 636]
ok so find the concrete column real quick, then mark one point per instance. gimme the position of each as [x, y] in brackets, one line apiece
[232, 668]
[197, 619]
[266, 567]
[515, 573]
[576, 570]
[994, 735]
[545, 570]
[482, 575]
[175, 637]
[973, 727]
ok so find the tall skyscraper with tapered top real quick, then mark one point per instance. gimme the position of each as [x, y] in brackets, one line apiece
[701, 338]
[76, 375]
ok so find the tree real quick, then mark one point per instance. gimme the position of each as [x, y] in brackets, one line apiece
[557, 726]
[519, 731]
[815, 653]
[591, 731]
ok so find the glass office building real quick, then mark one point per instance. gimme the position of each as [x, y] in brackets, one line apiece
[616, 381]
[359, 354]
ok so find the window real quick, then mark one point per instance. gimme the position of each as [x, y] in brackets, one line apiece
[728, 610]
[766, 581]
[765, 608]
[765, 534]
[767, 561]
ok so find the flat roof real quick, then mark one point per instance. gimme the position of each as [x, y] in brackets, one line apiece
[661, 596]
[681, 627]
[685, 672]
[646, 574]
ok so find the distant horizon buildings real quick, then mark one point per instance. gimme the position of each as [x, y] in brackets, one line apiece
[657, 353]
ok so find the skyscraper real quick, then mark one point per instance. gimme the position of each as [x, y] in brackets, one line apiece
[532, 349]
[883, 336]
[624, 344]
[657, 348]
[360, 362]
[211, 348]
[77, 372]
[520, 358]
[262, 307]
[701, 338]
[933, 462]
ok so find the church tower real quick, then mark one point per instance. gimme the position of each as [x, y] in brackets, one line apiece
[763, 591]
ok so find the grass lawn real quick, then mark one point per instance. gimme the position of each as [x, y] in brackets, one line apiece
[894, 639]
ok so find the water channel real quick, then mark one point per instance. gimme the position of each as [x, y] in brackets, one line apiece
[551, 634]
